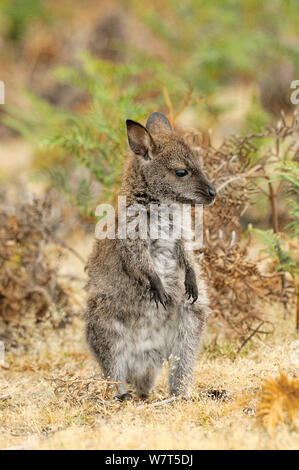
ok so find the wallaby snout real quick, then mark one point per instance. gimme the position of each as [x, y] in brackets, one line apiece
[209, 193]
[212, 192]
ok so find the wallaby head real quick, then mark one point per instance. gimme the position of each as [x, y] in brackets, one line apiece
[171, 170]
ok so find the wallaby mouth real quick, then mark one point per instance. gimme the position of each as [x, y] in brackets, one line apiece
[207, 196]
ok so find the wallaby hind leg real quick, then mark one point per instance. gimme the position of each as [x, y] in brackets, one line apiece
[117, 373]
[184, 351]
[113, 364]
[143, 383]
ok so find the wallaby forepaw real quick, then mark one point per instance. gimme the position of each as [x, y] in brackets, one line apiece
[190, 285]
[158, 293]
[161, 297]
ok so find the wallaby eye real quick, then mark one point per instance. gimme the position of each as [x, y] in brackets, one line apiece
[181, 172]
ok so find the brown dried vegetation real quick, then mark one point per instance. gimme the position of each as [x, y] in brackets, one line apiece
[28, 280]
[238, 287]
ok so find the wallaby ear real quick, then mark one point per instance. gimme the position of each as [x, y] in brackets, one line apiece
[139, 139]
[158, 123]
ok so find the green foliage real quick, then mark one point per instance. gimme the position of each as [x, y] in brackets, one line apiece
[288, 172]
[228, 349]
[208, 45]
[283, 259]
[37, 121]
[216, 43]
[81, 194]
[96, 139]
[256, 118]
[19, 13]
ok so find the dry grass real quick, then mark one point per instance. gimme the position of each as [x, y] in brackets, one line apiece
[279, 402]
[53, 398]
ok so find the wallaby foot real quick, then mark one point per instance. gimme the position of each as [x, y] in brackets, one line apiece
[124, 397]
[179, 391]
[143, 396]
[143, 384]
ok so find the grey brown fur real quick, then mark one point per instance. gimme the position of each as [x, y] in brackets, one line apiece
[147, 300]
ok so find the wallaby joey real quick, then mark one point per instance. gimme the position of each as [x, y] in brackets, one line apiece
[147, 301]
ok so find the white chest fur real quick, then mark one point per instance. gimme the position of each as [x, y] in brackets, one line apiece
[163, 254]
[163, 249]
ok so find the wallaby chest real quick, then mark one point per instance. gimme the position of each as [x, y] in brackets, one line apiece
[163, 251]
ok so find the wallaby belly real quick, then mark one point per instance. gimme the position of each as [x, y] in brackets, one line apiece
[152, 342]
[154, 331]
[145, 339]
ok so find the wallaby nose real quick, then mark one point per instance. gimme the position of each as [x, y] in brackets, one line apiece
[212, 192]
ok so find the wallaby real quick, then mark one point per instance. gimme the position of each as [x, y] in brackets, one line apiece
[147, 301]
